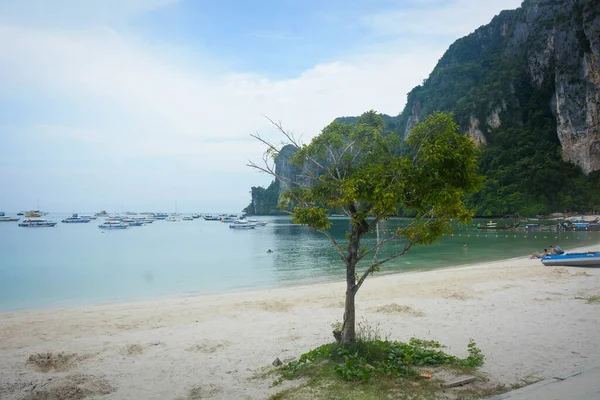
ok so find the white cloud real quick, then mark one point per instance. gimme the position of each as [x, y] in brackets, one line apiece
[453, 19]
[193, 121]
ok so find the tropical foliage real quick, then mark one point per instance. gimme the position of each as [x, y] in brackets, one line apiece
[366, 174]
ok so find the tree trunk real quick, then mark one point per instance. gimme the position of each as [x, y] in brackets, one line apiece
[349, 332]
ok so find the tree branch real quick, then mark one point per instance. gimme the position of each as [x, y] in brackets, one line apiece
[377, 264]
[335, 243]
[396, 235]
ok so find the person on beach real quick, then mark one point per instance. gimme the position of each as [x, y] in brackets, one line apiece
[539, 255]
[556, 250]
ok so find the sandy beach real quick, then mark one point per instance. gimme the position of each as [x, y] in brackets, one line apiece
[529, 320]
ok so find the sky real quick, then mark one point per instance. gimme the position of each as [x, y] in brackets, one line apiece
[148, 105]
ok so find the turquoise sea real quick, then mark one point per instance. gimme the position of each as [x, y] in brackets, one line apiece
[79, 264]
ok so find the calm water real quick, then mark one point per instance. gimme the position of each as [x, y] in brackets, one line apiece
[79, 264]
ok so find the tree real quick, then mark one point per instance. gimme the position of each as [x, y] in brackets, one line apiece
[369, 176]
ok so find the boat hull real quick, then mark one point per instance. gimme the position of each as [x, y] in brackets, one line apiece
[589, 259]
[241, 226]
[46, 225]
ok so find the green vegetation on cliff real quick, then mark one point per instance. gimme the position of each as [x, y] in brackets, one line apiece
[264, 201]
[485, 76]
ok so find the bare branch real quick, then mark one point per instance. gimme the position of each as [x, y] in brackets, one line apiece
[290, 136]
[395, 236]
[376, 251]
[377, 264]
[335, 243]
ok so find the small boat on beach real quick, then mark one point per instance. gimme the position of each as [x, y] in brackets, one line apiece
[588, 259]
[37, 223]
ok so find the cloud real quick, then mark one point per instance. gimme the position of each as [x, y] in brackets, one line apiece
[139, 113]
[452, 19]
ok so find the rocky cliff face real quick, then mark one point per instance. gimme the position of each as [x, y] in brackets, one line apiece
[551, 48]
[284, 168]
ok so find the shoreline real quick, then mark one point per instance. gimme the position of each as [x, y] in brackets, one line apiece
[178, 297]
[274, 287]
[526, 318]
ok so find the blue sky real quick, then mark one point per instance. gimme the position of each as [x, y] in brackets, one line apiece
[138, 104]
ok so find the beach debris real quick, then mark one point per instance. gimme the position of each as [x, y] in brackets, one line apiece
[425, 374]
[73, 387]
[397, 309]
[132, 350]
[459, 381]
[202, 392]
[59, 362]
[277, 362]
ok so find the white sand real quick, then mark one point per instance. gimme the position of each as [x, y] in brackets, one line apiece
[523, 315]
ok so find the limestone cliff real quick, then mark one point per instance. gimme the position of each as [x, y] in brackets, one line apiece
[546, 52]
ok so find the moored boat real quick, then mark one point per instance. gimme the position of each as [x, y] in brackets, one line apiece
[8, 219]
[494, 226]
[132, 221]
[532, 227]
[33, 214]
[242, 226]
[208, 217]
[76, 219]
[36, 223]
[588, 259]
[113, 225]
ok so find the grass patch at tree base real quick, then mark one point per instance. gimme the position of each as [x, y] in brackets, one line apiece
[379, 369]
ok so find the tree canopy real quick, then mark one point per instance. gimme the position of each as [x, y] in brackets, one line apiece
[367, 175]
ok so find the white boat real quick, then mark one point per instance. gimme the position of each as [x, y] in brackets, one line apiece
[8, 219]
[113, 225]
[171, 219]
[36, 223]
[132, 221]
[242, 226]
[188, 218]
[75, 219]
